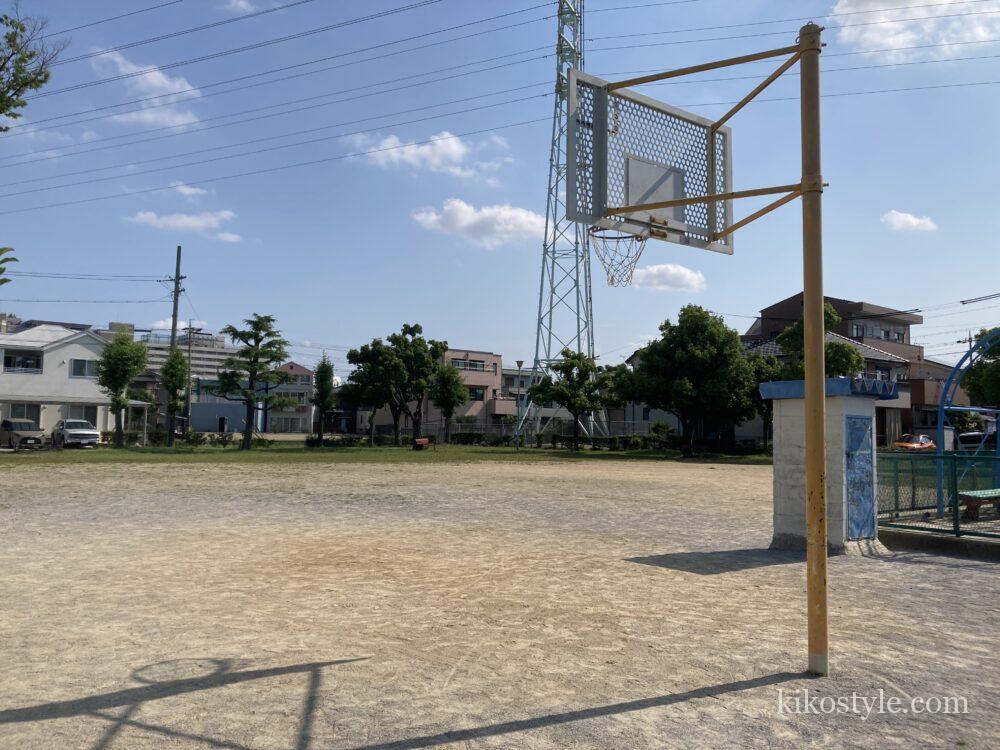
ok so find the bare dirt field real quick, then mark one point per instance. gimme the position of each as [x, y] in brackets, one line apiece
[588, 604]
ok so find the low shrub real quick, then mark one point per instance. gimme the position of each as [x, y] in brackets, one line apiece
[225, 439]
[158, 436]
[313, 441]
[195, 439]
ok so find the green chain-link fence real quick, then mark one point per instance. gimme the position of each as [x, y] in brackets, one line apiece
[908, 493]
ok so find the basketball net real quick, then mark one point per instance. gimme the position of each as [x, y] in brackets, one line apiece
[618, 253]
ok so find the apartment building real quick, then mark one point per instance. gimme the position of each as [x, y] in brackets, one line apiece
[883, 337]
[49, 373]
[300, 416]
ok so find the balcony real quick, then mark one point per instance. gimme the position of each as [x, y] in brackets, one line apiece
[503, 406]
[23, 370]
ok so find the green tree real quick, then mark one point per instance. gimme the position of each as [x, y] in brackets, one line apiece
[121, 362]
[251, 373]
[982, 379]
[419, 357]
[580, 387]
[696, 371]
[765, 369]
[447, 392]
[174, 379]
[324, 398]
[5, 258]
[377, 376]
[842, 359]
[25, 61]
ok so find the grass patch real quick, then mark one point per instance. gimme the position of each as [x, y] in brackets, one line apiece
[294, 452]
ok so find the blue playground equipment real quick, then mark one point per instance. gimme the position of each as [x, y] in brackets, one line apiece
[946, 405]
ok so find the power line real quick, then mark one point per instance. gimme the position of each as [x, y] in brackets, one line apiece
[132, 164]
[256, 152]
[285, 103]
[258, 45]
[485, 130]
[112, 18]
[269, 170]
[772, 33]
[90, 301]
[802, 18]
[82, 277]
[182, 32]
[300, 109]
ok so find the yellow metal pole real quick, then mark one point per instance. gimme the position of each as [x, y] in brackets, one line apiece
[815, 396]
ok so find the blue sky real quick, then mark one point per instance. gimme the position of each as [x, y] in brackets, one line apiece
[447, 233]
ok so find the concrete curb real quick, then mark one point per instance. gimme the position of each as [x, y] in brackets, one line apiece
[987, 549]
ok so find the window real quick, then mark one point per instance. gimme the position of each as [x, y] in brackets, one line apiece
[26, 411]
[83, 368]
[477, 393]
[86, 412]
[897, 336]
[885, 332]
[645, 414]
[15, 360]
[858, 330]
[477, 365]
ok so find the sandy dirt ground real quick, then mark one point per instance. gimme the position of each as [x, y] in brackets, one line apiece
[591, 604]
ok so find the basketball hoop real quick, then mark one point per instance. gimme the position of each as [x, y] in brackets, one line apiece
[618, 253]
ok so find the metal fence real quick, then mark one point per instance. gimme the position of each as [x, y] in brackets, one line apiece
[969, 501]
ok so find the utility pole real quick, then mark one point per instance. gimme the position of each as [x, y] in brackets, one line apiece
[815, 365]
[187, 391]
[177, 297]
[172, 418]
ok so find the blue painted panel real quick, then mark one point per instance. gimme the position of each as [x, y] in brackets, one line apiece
[860, 479]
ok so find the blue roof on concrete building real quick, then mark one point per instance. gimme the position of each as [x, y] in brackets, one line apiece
[864, 387]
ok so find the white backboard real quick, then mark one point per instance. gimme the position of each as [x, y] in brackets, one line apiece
[625, 149]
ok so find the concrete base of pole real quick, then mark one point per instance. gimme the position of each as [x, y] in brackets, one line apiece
[819, 665]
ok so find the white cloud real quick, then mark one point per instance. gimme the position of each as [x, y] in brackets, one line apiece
[926, 30]
[239, 6]
[164, 324]
[155, 84]
[900, 221]
[200, 222]
[443, 153]
[229, 237]
[669, 277]
[188, 191]
[488, 226]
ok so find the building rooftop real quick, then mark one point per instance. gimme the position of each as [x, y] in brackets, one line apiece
[772, 348]
[37, 337]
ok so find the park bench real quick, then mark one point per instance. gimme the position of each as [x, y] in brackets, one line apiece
[420, 443]
[973, 499]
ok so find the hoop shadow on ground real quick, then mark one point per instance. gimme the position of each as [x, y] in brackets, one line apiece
[714, 562]
[221, 674]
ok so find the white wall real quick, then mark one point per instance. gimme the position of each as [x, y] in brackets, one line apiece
[54, 388]
[789, 467]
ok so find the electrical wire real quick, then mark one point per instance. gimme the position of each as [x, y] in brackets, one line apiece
[258, 45]
[89, 301]
[82, 277]
[185, 129]
[325, 127]
[280, 168]
[112, 18]
[182, 32]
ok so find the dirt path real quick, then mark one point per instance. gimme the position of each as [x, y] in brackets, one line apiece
[603, 604]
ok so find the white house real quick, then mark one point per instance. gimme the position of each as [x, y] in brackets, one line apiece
[50, 373]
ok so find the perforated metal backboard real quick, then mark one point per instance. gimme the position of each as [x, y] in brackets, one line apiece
[625, 149]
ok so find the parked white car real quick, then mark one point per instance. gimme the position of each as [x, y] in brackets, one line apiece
[75, 432]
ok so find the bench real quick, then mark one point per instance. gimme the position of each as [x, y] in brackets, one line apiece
[420, 443]
[973, 499]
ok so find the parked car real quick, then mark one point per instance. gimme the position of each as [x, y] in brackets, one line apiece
[970, 441]
[915, 444]
[21, 433]
[75, 432]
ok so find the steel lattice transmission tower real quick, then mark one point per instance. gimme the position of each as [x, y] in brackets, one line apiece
[565, 312]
